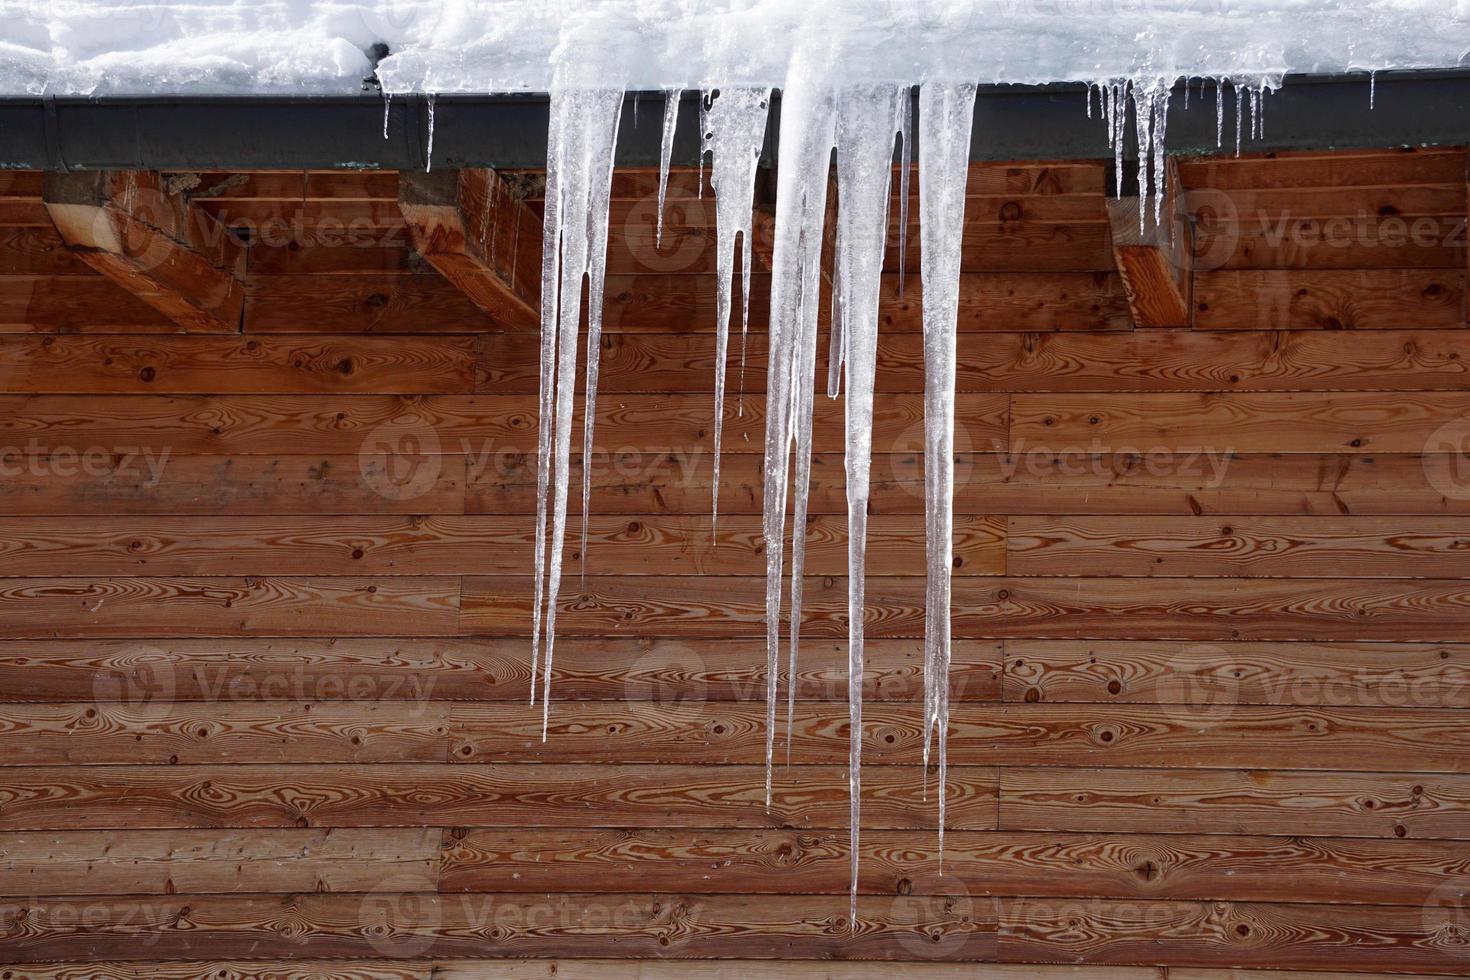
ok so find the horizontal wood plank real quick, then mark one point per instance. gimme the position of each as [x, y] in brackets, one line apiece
[439, 795]
[1244, 801]
[1217, 677]
[480, 669]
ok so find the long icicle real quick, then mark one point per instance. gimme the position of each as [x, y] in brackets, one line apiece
[801, 200]
[583, 134]
[867, 119]
[946, 112]
[733, 130]
[665, 154]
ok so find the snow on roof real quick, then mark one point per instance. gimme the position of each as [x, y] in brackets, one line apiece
[261, 47]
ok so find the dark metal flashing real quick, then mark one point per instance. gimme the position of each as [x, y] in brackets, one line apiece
[1011, 123]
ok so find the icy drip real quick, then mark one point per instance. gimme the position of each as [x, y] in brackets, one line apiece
[429, 151]
[807, 136]
[867, 119]
[579, 158]
[946, 111]
[665, 152]
[732, 130]
[1150, 97]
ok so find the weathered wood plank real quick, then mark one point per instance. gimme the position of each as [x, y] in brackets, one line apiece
[406, 430]
[43, 608]
[446, 545]
[1218, 736]
[440, 795]
[1302, 547]
[1309, 937]
[1031, 480]
[1329, 299]
[1246, 801]
[75, 304]
[1217, 677]
[144, 730]
[480, 669]
[231, 969]
[1004, 863]
[1101, 608]
[802, 970]
[411, 924]
[123, 478]
[220, 365]
[159, 862]
[1369, 241]
[1249, 422]
[1142, 360]
[1337, 169]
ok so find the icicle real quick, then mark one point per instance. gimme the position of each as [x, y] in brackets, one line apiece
[906, 155]
[665, 152]
[866, 121]
[1120, 126]
[583, 134]
[1143, 113]
[807, 133]
[732, 131]
[429, 153]
[1219, 113]
[1186, 94]
[1372, 89]
[1160, 162]
[946, 112]
[387, 105]
[1236, 87]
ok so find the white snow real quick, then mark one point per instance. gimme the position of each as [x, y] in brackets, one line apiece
[318, 46]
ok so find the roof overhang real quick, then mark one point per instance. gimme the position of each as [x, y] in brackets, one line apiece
[1011, 123]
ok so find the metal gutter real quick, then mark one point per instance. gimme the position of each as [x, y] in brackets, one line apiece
[1011, 123]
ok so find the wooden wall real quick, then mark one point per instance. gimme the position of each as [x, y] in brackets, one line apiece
[266, 599]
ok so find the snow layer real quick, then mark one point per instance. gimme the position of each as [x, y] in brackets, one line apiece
[320, 46]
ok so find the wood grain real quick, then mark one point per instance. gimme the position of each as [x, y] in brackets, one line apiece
[1234, 421]
[163, 862]
[245, 669]
[1143, 360]
[438, 795]
[1405, 675]
[1302, 547]
[1250, 299]
[395, 921]
[222, 365]
[1031, 480]
[1004, 863]
[1243, 801]
[41, 608]
[1101, 608]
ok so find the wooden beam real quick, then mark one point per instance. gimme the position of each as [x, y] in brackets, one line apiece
[1153, 257]
[475, 227]
[149, 238]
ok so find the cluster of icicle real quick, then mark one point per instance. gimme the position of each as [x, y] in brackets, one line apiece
[862, 124]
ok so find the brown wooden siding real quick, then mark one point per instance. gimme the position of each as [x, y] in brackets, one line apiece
[263, 677]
